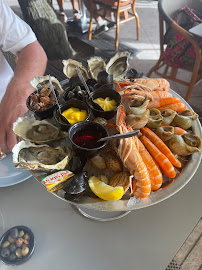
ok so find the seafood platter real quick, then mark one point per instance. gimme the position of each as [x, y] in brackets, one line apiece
[61, 145]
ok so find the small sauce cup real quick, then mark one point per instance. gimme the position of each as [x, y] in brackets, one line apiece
[103, 93]
[75, 103]
[48, 113]
[84, 136]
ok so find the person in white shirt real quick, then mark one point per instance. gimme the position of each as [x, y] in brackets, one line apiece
[17, 37]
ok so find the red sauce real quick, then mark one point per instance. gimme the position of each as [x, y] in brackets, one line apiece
[88, 138]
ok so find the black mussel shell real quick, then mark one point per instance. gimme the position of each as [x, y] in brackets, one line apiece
[132, 74]
[91, 82]
[76, 185]
[77, 163]
[70, 95]
[97, 86]
[74, 81]
[104, 78]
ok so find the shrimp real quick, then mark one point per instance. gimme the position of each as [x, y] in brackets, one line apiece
[163, 162]
[154, 171]
[132, 160]
[155, 84]
[162, 102]
[179, 131]
[178, 107]
[153, 95]
[161, 146]
[160, 94]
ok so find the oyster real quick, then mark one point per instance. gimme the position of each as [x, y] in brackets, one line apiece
[96, 65]
[39, 82]
[27, 155]
[69, 69]
[185, 144]
[29, 129]
[118, 65]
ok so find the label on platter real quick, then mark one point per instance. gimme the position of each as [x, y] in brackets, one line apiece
[56, 180]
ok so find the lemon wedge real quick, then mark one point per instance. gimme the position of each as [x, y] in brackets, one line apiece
[104, 191]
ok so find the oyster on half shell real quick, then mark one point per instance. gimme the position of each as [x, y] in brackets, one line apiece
[96, 65]
[41, 81]
[27, 155]
[118, 65]
[69, 69]
[29, 129]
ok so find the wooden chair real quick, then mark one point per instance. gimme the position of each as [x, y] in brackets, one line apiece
[167, 10]
[124, 11]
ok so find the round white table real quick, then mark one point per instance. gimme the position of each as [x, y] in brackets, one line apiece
[144, 239]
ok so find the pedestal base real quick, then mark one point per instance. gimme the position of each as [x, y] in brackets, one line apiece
[101, 215]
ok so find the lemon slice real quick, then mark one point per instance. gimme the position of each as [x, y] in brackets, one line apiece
[105, 191]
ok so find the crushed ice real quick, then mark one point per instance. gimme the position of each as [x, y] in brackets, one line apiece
[132, 202]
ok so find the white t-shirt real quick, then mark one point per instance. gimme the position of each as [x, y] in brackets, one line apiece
[15, 34]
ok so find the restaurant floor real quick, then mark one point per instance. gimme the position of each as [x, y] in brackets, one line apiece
[144, 54]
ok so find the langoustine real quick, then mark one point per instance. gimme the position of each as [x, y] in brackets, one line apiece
[132, 160]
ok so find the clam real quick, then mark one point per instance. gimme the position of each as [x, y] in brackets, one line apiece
[122, 179]
[69, 69]
[40, 81]
[29, 129]
[185, 119]
[27, 155]
[76, 185]
[96, 65]
[168, 116]
[98, 162]
[165, 133]
[118, 65]
[185, 144]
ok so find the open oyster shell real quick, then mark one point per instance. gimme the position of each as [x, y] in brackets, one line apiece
[118, 65]
[96, 65]
[27, 155]
[42, 80]
[29, 129]
[69, 69]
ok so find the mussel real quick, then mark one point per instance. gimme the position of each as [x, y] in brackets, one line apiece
[76, 186]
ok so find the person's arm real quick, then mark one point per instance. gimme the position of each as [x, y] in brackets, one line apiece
[31, 62]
